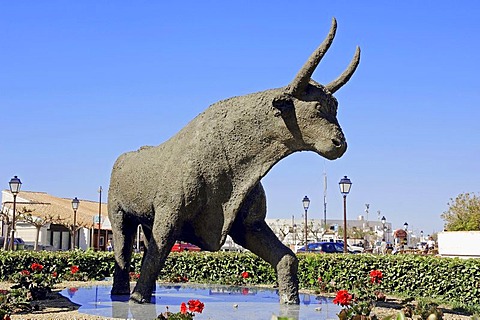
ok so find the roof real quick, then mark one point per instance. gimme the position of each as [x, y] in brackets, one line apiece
[400, 233]
[44, 204]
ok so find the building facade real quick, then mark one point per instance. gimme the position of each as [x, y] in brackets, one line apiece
[292, 231]
[51, 222]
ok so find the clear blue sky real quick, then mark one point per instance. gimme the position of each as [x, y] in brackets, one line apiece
[82, 82]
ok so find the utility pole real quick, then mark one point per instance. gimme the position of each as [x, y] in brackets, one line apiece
[325, 199]
[99, 216]
[367, 206]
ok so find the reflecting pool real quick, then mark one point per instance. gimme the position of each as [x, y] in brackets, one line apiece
[221, 302]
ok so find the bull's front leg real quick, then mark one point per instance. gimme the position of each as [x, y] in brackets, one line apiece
[159, 246]
[260, 239]
[252, 232]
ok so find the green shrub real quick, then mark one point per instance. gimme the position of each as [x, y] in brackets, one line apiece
[94, 265]
[451, 280]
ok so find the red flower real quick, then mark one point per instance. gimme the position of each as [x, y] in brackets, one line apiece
[183, 308]
[343, 298]
[36, 267]
[25, 273]
[74, 269]
[376, 276]
[245, 275]
[4, 292]
[54, 274]
[72, 290]
[195, 306]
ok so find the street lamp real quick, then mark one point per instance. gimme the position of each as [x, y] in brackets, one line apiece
[405, 227]
[384, 220]
[15, 185]
[421, 235]
[75, 203]
[294, 230]
[345, 185]
[306, 204]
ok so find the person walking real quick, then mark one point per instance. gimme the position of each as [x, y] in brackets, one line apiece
[430, 244]
[109, 245]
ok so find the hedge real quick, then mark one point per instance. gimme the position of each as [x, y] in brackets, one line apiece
[451, 280]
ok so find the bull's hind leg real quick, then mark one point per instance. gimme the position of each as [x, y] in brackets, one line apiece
[147, 234]
[159, 246]
[252, 232]
[123, 236]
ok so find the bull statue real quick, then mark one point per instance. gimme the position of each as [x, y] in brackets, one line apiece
[204, 183]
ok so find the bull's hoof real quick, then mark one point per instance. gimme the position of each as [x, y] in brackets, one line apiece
[120, 291]
[137, 298]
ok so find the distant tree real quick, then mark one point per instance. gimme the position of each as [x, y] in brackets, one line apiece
[317, 230]
[5, 217]
[463, 213]
[280, 230]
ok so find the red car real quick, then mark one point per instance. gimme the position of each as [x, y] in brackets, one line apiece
[184, 246]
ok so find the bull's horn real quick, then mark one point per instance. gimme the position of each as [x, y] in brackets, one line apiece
[298, 85]
[346, 75]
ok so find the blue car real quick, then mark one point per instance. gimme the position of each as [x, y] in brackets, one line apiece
[324, 247]
[18, 243]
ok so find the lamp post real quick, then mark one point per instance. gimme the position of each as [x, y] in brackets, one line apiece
[421, 235]
[75, 203]
[384, 220]
[405, 227]
[294, 230]
[306, 204]
[15, 185]
[345, 185]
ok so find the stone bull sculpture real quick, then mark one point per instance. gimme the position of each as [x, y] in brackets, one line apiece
[204, 183]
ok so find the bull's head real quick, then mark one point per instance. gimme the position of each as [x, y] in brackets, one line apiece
[309, 109]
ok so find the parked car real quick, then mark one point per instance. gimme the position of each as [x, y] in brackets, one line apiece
[231, 248]
[184, 246]
[324, 247]
[356, 248]
[41, 247]
[18, 243]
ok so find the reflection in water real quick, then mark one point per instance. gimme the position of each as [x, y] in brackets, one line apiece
[221, 302]
[306, 299]
[71, 291]
[129, 310]
[232, 291]
[289, 311]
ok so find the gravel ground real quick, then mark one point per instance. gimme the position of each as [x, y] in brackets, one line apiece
[59, 307]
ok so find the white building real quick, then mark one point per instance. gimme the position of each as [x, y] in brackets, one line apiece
[292, 231]
[54, 218]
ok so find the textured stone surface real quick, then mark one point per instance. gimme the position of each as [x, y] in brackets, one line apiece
[204, 183]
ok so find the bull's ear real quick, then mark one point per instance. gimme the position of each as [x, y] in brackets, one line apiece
[283, 103]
